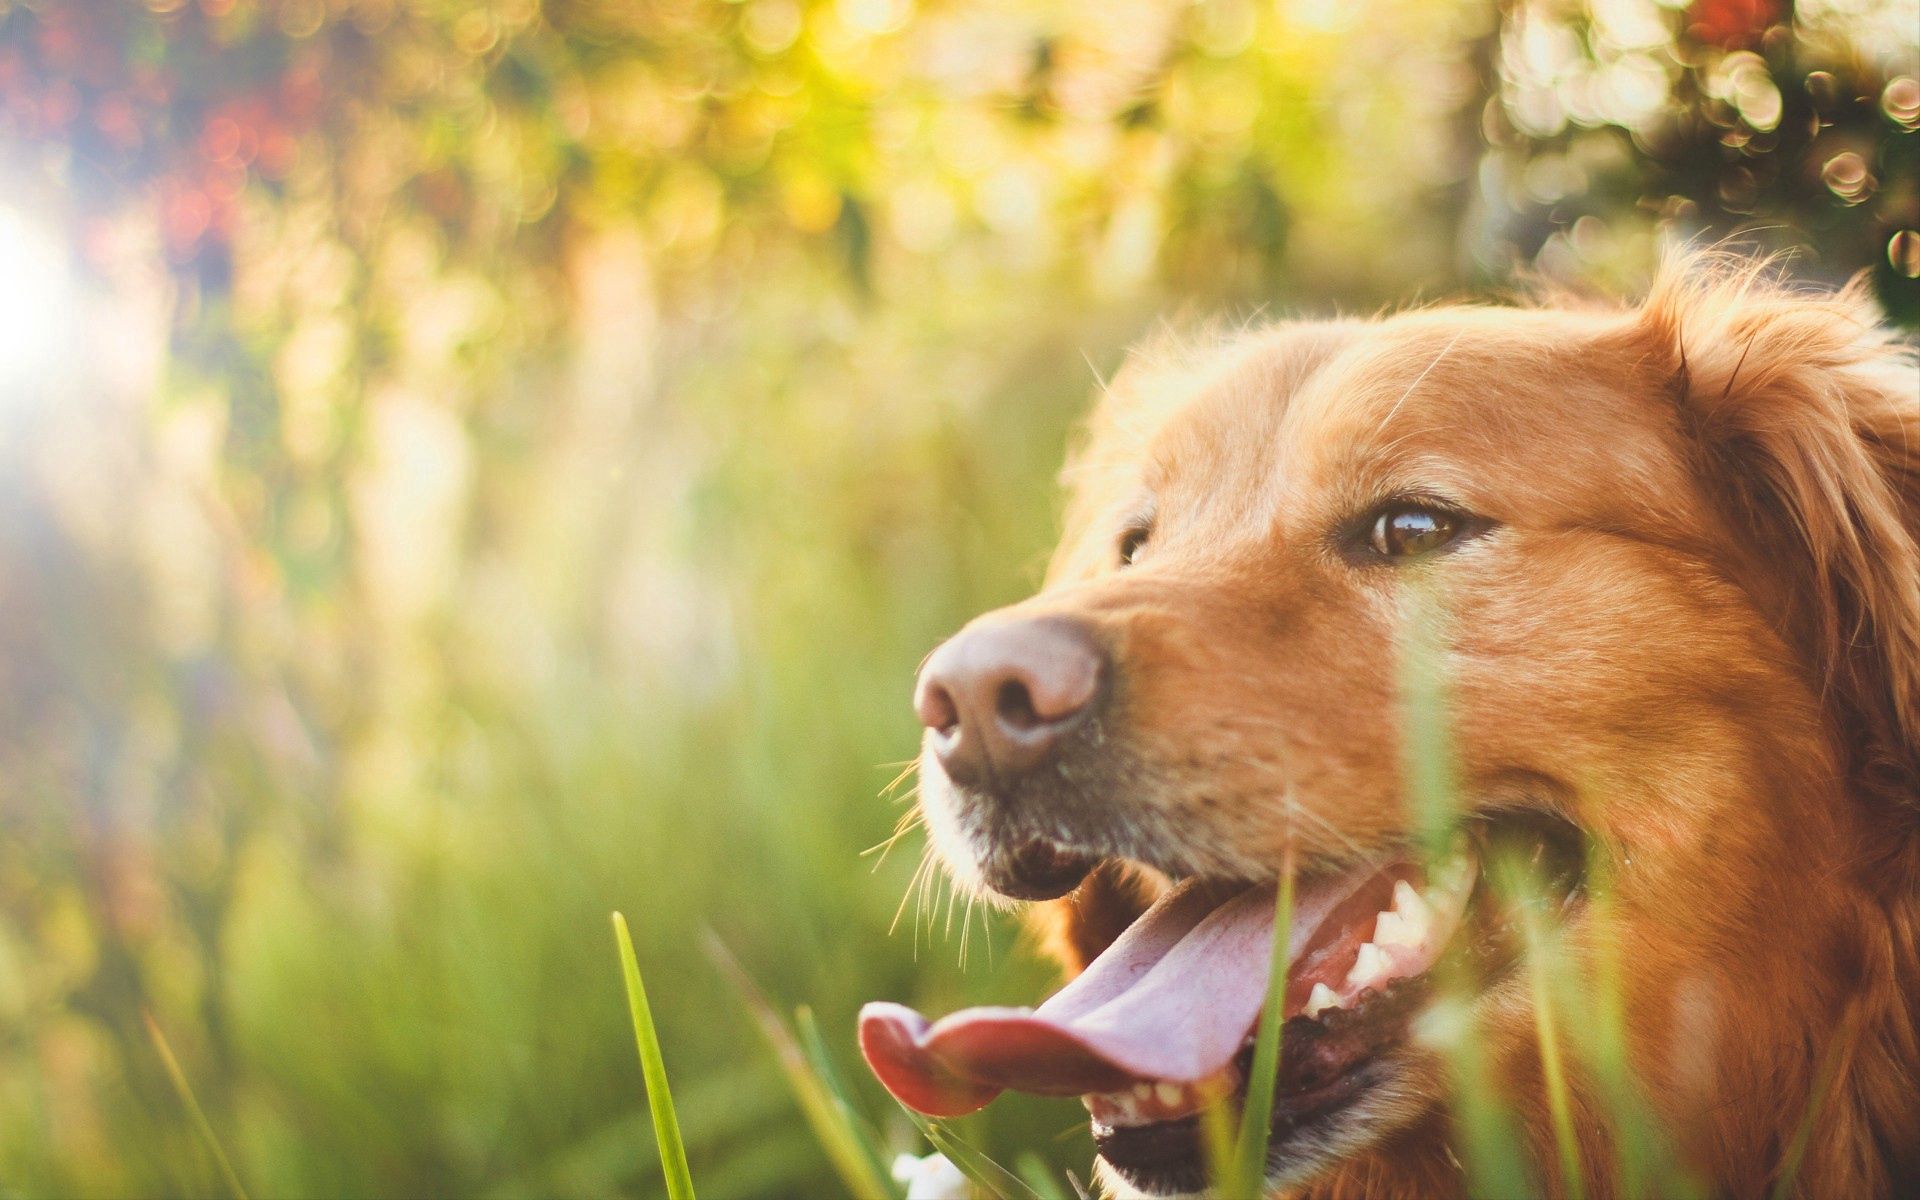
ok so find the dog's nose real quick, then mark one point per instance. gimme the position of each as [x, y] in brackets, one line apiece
[999, 698]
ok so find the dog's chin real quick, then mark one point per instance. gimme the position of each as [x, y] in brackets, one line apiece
[1000, 866]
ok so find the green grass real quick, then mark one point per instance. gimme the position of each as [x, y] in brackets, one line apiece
[1488, 1137]
[857, 1150]
[178, 1078]
[986, 1174]
[653, 1067]
[1247, 1169]
[848, 1140]
[1539, 961]
[1845, 1040]
[1039, 1177]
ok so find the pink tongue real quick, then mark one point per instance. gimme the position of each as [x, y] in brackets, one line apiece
[1172, 999]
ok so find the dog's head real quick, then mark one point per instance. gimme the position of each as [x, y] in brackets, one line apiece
[1422, 607]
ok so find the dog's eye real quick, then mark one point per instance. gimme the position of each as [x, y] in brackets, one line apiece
[1131, 543]
[1404, 530]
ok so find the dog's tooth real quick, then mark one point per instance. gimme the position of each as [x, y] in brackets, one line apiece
[1114, 1107]
[1392, 929]
[1408, 904]
[1143, 1091]
[1369, 965]
[1320, 999]
[1169, 1094]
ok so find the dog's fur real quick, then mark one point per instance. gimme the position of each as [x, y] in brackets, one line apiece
[1691, 627]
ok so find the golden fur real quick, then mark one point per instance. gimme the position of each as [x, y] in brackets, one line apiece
[1693, 630]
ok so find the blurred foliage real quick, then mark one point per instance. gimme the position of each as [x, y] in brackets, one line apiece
[1790, 123]
[504, 462]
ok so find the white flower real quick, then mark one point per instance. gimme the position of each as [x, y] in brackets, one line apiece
[931, 1178]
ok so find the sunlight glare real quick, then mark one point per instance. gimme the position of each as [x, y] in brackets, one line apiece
[38, 300]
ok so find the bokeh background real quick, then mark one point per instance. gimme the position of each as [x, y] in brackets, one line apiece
[469, 467]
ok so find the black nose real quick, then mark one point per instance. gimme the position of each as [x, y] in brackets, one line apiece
[999, 698]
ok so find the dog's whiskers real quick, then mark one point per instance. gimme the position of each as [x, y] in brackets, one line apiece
[1419, 379]
[927, 905]
[915, 886]
[908, 821]
[1295, 809]
[907, 771]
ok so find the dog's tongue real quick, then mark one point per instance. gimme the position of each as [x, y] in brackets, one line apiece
[1172, 999]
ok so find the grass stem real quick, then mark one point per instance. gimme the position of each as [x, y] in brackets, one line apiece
[1837, 1053]
[1249, 1167]
[200, 1122]
[851, 1146]
[978, 1167]
[653, 1069]
[1552, 1068]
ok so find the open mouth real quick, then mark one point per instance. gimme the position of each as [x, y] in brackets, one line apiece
[1161, 1024]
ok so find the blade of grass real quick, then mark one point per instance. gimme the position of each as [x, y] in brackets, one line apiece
[1218, 1134]
[1426, 749]
[187, 1098]
[1647, 1164]
[1249, 1168]
[861, 1133]
[653, 1069]
[1830, 1068]
[850, 1146]
[1034, 1170]
[1486, 1134]
[732, 1106]
[1606, 1036]
[807, 1029]
[972, 1163]
[1526, 896]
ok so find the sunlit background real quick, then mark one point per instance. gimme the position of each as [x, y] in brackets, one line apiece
[466, 468]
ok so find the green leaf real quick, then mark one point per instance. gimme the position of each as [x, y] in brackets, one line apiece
[1034, 1170]
[1841, 1048]
[200, 1122]
[653, 1068]
[852, 1148]
[972, 1163]
[1248, 1171]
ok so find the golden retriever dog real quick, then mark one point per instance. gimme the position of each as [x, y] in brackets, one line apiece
[1657, 571]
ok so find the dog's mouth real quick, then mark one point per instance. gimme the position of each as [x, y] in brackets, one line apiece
[1161, 1025]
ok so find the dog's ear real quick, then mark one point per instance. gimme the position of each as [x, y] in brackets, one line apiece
[1805, 412]
[1074, 929]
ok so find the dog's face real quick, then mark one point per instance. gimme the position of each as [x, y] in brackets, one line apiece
[1337, 595]
[1251, 564]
